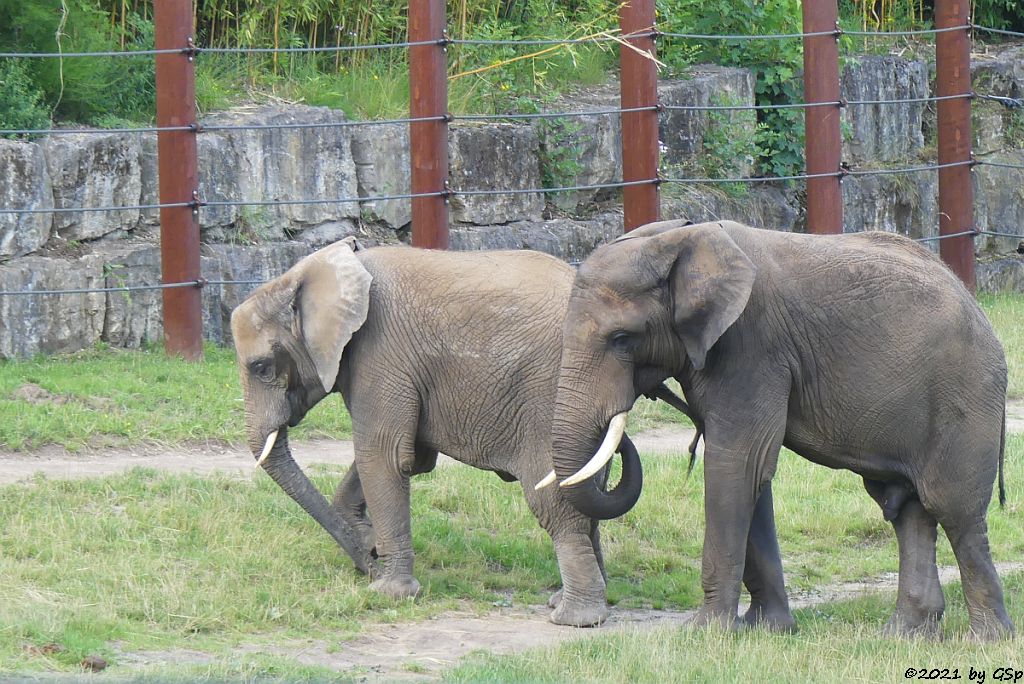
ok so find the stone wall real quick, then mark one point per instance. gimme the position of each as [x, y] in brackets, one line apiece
[48, 249]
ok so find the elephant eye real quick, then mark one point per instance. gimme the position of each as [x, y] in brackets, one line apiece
[622, 341]
[262, 368]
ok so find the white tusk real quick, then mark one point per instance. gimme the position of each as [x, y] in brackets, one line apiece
[616, 426]
[271, 439]
[548, 479]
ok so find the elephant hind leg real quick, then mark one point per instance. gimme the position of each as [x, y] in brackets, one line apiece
[919, 599]
[982, 589]
[762, 571]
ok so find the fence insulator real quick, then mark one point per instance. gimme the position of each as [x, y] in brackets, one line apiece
[956, 191]
[179, 178]
[428, 140]
[822, 140]
[639, 88]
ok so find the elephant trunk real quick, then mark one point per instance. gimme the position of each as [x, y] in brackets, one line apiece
[573, 449]
[280, 465]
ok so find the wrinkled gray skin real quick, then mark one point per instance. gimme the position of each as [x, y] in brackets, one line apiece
[859, 351]
[458, 353]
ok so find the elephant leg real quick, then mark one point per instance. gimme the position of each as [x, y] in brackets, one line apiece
[384, 471]
[581, 601]
[982, 589]
[595, 540]
[762, 571]
[741, 453]
[350, 503]
[919, 599]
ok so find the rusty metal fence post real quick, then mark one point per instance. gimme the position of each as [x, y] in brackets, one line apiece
[428, 140]
[822, 138]
[956, 190]
[639, 88]
[179, 178]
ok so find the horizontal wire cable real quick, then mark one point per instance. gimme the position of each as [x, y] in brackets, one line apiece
[1002, 165]
[747, 36]
[74, 210]
[936, 238]
[326, 124]
[1002, 32]
[553, 115]
[753, 179]
[909, 169]
[104, 53]
[321, 48]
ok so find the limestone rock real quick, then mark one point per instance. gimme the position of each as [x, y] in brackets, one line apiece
[50, 324]
[761, 206]
[381, 155]
[999, 202]
[568, 239]
[276, 164]
[494, 157]
[997, 71]
[1001, 274]
[905, 204]
[90, 171]
[24, 184]
[883, 132]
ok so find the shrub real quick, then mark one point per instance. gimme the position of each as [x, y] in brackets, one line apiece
[20, 102]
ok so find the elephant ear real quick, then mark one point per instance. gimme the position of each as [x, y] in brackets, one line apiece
[331, 300]
[710, 278]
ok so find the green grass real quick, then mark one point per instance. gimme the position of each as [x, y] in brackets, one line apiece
[110, 396]
[1006, 311]
[154, 561]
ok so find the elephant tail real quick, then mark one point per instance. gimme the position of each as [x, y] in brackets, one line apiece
[1002, 457]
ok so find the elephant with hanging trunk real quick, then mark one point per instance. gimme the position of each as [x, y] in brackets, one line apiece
[861, 352]
[431, 351]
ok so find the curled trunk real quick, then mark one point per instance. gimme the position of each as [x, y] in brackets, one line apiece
[590, 499]
[280, 465]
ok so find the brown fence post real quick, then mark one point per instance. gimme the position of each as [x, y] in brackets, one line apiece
[179, 178]
[956, 191]
[822, 139]
[639, 88]
[428, 140]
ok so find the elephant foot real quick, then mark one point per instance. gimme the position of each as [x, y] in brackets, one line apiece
[578, 614]
[924, 627]
[993, 628]
[396, 587]
[780, 621]
[555, 599]
[715, 619]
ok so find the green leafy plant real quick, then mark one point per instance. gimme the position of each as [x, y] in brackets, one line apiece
[20, 101]
[559, 152]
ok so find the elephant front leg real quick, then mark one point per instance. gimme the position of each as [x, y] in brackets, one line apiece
[762, 571]
[350, 502]
[739, 463]
[387, 499]
[581, 600]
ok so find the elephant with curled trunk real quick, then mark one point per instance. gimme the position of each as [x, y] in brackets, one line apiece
[431, 351]
[861, 352]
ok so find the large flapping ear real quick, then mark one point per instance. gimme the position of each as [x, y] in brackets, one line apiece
[331, 302]
[711, 279]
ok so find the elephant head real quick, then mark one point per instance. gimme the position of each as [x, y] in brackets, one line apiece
[640, 308]
[289, 338]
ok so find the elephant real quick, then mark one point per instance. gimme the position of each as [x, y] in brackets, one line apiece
[860, 351]
[432, 351]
